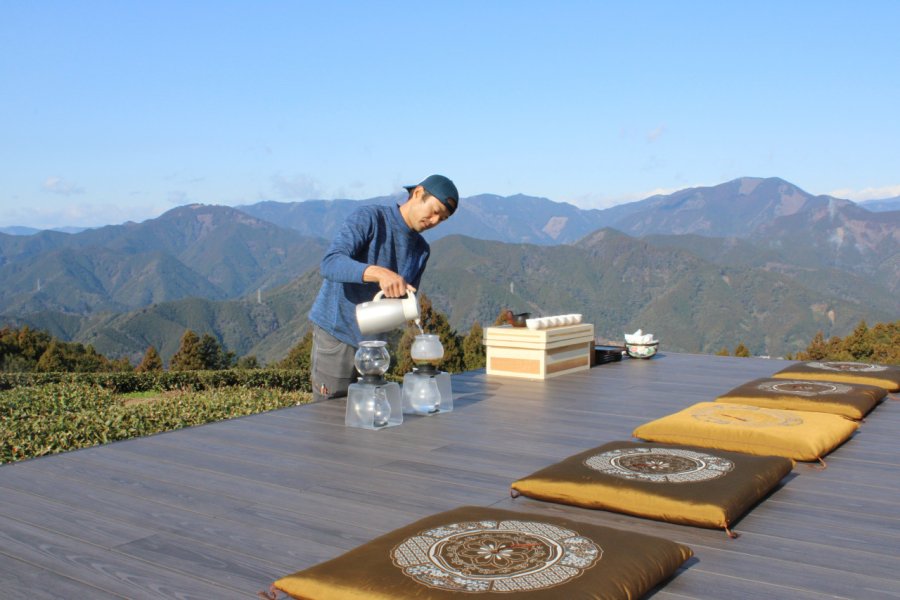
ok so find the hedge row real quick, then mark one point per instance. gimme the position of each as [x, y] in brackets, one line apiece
[123, 383]
[57, 417]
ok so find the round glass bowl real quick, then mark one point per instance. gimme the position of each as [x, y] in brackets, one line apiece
[372, 358]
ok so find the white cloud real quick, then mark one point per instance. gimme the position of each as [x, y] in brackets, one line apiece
[870, 193]
[655, 134]
[77, 215]
[177, 197]
[58, 185]
[298, 187]
[588, 201]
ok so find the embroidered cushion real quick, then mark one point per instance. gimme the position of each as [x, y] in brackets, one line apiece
[481, 552]
[800, 435]
[679, 484]
[885, 376]
[849, 400]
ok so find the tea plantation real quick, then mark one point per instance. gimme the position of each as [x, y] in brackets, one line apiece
[46, 413]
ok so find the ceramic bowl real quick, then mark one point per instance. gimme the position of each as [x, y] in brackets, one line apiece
[642, 350]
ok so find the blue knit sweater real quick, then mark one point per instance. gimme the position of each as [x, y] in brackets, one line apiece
[371, 235]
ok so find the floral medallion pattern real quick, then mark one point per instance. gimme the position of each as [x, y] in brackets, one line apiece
[495, 556]
[660, 465]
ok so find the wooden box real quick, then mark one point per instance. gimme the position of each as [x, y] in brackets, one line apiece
[538, 353]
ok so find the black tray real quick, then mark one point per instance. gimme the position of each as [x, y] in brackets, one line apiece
[606, 354]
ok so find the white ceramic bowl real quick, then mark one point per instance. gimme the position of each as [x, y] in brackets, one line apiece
[642, 350]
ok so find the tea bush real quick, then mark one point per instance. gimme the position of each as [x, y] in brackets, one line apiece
[123, 383]
[36, 420]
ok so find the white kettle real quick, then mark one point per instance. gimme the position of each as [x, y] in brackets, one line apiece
[383, 314]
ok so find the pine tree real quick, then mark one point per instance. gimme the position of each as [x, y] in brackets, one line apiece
[817, 349]
[858, 345]
[723, 351]
[880, 344]
[741, 350]
[121, 365]
[213, 356]
[151, 362]
[32, 344]
[53, 359]
[248, 362]
[299, 356]
[188, 357]
[473, 348]
[435, 322]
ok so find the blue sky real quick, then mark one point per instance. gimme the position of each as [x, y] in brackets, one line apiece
[120, 110]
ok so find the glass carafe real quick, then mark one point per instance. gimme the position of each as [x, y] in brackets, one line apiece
[421, 394]
[372, 358]
[427, 349]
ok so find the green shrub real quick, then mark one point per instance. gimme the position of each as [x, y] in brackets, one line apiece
[61, 416]
[122, 383]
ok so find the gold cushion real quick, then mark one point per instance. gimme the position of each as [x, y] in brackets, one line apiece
[800, 435]
[884, 376]
[848, 400]
[679, 484]
[487, 552]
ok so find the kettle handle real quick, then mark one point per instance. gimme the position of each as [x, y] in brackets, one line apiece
[380, 295]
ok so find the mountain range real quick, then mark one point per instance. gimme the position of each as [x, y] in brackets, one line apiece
[211, 252]
[753, 260]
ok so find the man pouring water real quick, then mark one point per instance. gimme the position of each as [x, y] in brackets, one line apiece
[378, 248]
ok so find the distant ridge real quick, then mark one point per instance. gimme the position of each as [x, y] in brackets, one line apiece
[17, 230]
[884, 205]
[755, 260]
[213, 252]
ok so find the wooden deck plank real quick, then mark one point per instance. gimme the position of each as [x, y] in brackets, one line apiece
[24, 580]
[104, 568]
[221, 510]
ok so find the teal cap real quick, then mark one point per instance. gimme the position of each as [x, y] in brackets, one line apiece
[441, 188]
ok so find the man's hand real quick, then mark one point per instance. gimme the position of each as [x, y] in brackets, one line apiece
[392, 284]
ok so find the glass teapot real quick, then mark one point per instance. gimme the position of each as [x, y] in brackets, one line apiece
[372, 359]
[427, 350]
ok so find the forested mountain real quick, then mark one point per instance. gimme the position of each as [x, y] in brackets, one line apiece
[212, 252]
[753, 260]
[617, 282]
[882, 205]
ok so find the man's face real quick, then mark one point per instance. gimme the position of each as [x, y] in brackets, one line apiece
[425, 211]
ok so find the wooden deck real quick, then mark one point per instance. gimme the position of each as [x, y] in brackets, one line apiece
[222, 510]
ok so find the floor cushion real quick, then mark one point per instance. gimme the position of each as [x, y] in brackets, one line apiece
[487, 552]
[884, 376]
[853, 401]
[800, 435]
[678, 484]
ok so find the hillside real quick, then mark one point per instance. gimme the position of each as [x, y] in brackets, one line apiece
[267, 327]
[753, 260]
[513, 219]
[211, 252]
[620, 284]
[617, 282]
[819, 232]
[805, 268]
[882, 205]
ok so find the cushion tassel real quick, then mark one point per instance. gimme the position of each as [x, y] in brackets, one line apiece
[819, 467]
[272, 594]
[731, 533]
[514, 493]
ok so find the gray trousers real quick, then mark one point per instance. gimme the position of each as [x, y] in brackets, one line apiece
[331, 365]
